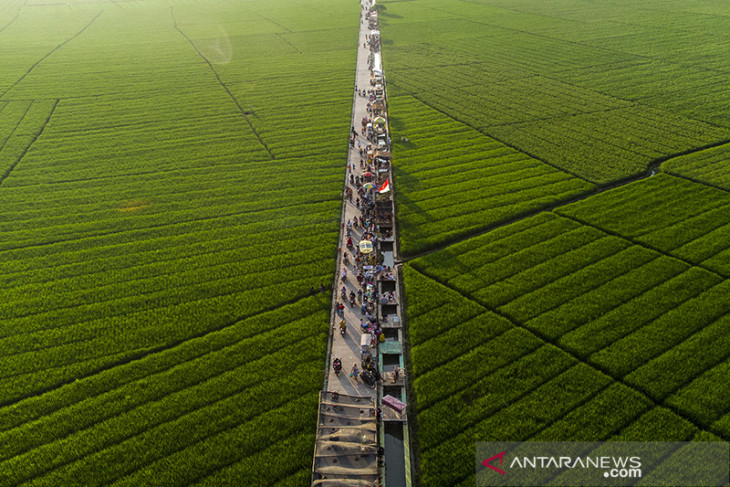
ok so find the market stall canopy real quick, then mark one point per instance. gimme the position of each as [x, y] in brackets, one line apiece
[384, 154]
[374, 32]
[379, 120]
[366, 246]
[377, 64]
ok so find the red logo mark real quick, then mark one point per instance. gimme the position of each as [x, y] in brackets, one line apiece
[489, 465]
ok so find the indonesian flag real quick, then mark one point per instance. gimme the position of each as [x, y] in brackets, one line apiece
[385, 187]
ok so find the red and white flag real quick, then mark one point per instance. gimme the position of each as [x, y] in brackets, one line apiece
[385, 187]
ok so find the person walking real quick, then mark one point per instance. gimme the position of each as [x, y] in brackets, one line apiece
[355, 371]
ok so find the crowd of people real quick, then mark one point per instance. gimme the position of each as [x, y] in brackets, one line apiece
[361, 268]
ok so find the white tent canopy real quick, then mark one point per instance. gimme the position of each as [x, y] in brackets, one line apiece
[377, 64]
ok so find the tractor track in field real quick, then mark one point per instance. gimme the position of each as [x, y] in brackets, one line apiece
[223, 85]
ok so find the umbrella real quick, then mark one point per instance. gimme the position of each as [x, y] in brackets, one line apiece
[368, 186]
[368, 175]
[366, 246]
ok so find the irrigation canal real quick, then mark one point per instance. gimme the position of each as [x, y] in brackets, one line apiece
[362, 431]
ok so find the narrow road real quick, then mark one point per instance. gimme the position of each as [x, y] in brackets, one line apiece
[347, 348]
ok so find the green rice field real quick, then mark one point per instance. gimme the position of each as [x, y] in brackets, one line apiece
[563, 215]
[170, 178]
[171, 186]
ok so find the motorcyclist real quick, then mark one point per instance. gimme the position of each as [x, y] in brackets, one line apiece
[337, 365]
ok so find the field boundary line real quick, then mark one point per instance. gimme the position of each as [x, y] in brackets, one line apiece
[197, 254]
[223, 85]
[505, 188]
[149, 227]
[572, 274]
[155, 350]
[595, 367]
[518, 398]
[14, 18]
[34, 65]
[688, 381]
[694, 180]
[644, 245]
[651, 170]
[143, 295]
[456, 119]
[49, 470]
[556, 117]
[152, 309]
[467, 352]
[640, 57]
[194, 254]
[289, 43]
[12, 132]
[160, 371]
[36, 137]
[528, 248]
[298, 433]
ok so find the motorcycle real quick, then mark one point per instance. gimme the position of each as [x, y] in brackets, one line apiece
[337, 366]
[343, 327]
[345, 259]
[344, 275]
[368, 378]
[352, 298]
[343, 293]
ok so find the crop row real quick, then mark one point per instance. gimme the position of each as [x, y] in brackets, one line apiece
[615, 304]
[204, 391]
[503, 373]
[563, 87]
[22, 123]
[679, 217]
[452, 191]
[188, 274]
[76, 258]
[147, 233]
[707, 166]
